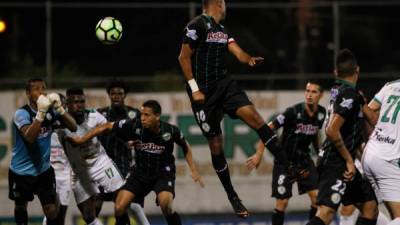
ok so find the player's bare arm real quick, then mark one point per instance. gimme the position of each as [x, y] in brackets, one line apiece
[69, 122]
[186, 65]
[243, 56]
[79, 140]
[333, 134]
[253, 162]
[371, 112]
[187, 151]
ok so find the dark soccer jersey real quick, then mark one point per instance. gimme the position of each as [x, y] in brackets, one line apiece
[115, 147]
[299, 130]
[153, 152]
[345, 102]
[209, 41]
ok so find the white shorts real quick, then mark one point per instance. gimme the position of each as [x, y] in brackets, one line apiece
[63, 183]
[383, 175]
[103, 174]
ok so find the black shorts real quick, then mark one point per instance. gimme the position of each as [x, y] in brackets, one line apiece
[142, 185]
[224, 98]
[333, 190]
[24, 187]
[282, 185]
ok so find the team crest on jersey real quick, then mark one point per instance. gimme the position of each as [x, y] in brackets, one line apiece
[347, 103]
[298, 115]
[335, 198]
[321, 116]
[137, 131]
[131, 114]
[166, 136]
[281, 190]
[191, 34]
[208, 26]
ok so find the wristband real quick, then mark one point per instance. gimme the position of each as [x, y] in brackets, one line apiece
[40, 116]
[193, 85]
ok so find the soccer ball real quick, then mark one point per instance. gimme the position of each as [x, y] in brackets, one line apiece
[109, 30]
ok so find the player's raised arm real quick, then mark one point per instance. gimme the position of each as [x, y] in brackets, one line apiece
[78, 140]
[243, 56]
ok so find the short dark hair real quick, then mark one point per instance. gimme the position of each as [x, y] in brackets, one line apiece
[208, 2]
[154, 105]
[316, 82]
[74, 91]
[28, 84]
[346, 63]
[117, 83]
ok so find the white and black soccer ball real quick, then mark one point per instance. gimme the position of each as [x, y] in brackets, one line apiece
[109, 30]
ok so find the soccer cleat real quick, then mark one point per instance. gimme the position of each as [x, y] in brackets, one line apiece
[238, 207]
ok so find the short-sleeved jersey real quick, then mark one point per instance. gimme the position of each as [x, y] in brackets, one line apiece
[153, 152]
[58, 158]
[209, 41]
[115, 147]
[31, 159]
[384, 141]
[85, 155]
[299, 130]
[345, 102]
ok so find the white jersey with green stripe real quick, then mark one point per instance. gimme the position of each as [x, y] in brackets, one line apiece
[384, 142]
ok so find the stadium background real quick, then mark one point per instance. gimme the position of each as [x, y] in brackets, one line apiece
[56, 40]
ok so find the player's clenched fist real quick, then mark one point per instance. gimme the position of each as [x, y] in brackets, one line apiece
[43, 103]
[56, 101]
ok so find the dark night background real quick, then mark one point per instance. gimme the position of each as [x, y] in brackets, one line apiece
[152, 37]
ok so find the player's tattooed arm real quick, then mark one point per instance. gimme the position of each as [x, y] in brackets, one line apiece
[333, 134]
[79, 140]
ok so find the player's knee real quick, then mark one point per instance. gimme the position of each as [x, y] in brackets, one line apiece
[347, 210]
[282, 204]
[216, 144]
[369, 210]
[166, 206]
[50, 211]
[119, 209]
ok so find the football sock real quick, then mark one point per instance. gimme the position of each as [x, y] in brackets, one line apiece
[221, 168]
[312, 212]
[173, 219]
[278, 217]
[316, 221]
[21, 215]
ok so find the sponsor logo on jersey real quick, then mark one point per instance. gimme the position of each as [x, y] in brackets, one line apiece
[150, 147]
[347, 103]
[217, 37]
[191, 34]
[382, 138]
[281, 119]
[121, 123]
[307, 129]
